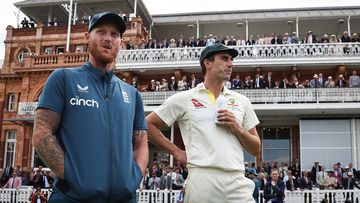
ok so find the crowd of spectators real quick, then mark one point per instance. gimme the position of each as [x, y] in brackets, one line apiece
[15, 177]
[264, 39]
[260, 81]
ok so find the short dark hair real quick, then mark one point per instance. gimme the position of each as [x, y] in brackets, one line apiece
[203, 68]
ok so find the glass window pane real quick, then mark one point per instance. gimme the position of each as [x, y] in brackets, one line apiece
[279, 155]
[248, 157]
[284, 144]
[283, 133]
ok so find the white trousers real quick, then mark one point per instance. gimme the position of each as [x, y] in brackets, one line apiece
[210, 185]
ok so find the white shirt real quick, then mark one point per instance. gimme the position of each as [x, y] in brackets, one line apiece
[207, 144]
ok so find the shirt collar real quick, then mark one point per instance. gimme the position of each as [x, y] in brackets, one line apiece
[201, 86]
[97, 72]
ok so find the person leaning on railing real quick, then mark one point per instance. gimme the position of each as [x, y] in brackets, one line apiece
[274, 189]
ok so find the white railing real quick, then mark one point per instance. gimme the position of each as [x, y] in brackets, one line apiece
[166, 196]
[256, 96]
[265, 96]
[189, 56]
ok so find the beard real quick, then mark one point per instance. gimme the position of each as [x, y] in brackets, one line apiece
[103, 58]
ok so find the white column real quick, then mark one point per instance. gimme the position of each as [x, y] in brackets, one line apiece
[172, 140]
[75, 14]
[69, 28]
[355, 132]
[348, 25]
[197, 30]
[151, 26]
[297, 27]
[247, 29]
[135, 7]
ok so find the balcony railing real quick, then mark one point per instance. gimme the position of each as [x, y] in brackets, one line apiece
[248, 55]
[166, 196]
[53, 61]
[266, 96]
[256, 96]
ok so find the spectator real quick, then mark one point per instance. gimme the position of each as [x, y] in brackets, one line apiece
[129, 45]
[180, 42]
[355, 38]
[294, 83]
[25, 23]
[165, 181]
[6, 173]
[314, 171]
[314, 83]
[38, 179]
[329, 83]
[321, 177]
[305, 182]
[354, 80]
[191, 42]
[291, 184]
[154, 182]
[248, 83]
[259, 82]
[325, 39]
[152, 86]
[31, 23]
[211, 40]
[236, 82]
[338, 175]
[310, 38]
[85, 18]
[180, 197]
[345, 37]
[350, 182]
[341, 81]
[182, 84]
[172, 43]
[262, 180]
[284, 83]
[352, 170]
[173, 84]
[321, 80]
[144, 184]
[165, 44]
[37, 196]
[194, 82]
[330, 181]
[47, 181]
[228, 85]
[232, 41]
[276, 40]
[14, 182]
[269, 81]
[164, 86]
[294, 38]
[286, 39]
[274, 189]
[334, 39]
[252, 176]
[124, 17]
[178, 181]
[134, 82]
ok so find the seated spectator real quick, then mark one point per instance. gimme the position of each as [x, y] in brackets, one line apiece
[274, 189]
[291, 184]
[25, 23]
[341, 81]
[173, 84]
[329, 82]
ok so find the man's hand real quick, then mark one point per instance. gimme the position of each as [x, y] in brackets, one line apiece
[227, 118]
[180, 155]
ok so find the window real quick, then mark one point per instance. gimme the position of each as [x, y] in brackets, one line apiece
[60, 50]
[22, 54]
[36, 160]
[79, 48]
[48, 50]
[276, 145]
[11, 106]
[10, 148]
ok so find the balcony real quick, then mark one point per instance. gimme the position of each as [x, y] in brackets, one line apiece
[52, 61]
[254, 55]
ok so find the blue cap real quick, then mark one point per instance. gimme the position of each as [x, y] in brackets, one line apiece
[113, 17]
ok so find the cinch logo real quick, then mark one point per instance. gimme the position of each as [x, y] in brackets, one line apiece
[82, 102]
